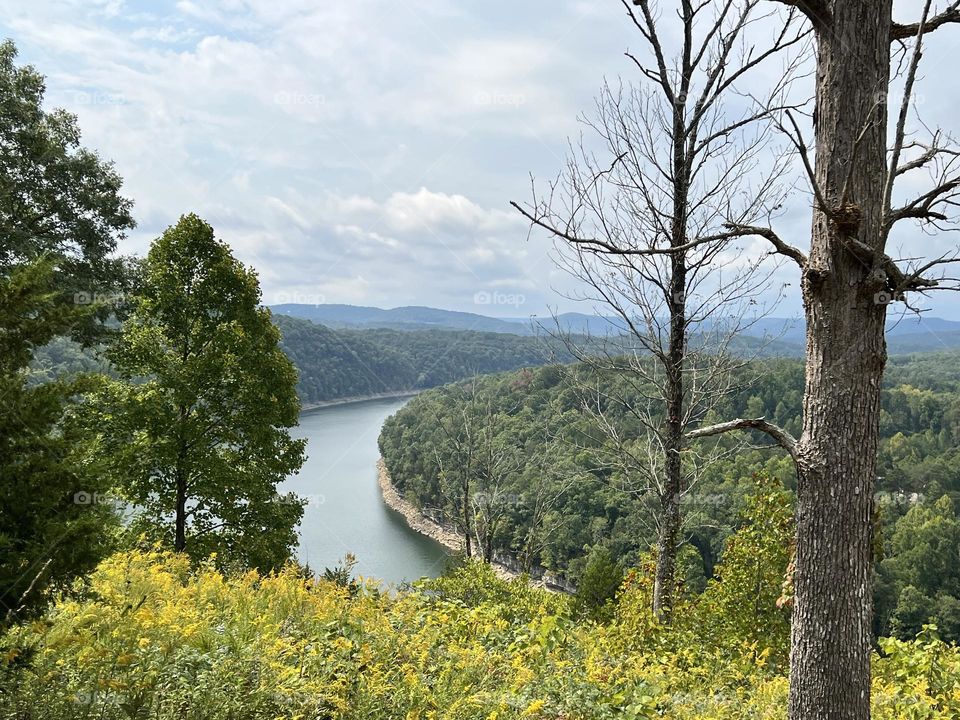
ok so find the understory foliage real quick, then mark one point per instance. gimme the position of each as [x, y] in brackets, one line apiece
[154, 636]
[158, 638]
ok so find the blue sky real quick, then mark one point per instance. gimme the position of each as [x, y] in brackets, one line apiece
[358, 151]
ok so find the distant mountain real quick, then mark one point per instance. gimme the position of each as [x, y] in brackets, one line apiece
[930, 332]
[786, 335]
[401, 318]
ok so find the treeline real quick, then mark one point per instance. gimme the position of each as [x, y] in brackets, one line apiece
[519, 463]
[339, 363]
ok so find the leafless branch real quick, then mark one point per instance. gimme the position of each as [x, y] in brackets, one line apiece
[781, 436]
[899, 134]
[901, 31]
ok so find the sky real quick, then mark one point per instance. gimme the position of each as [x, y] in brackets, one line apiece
[359, 151]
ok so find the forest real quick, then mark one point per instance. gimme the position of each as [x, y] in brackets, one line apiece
[340, 363]
[749, 536]
[546, 488]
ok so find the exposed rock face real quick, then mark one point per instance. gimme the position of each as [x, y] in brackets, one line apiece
[452, 540]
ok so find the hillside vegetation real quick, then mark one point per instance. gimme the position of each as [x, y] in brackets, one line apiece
[347, 363]
[155, 637]
[548, 489]
[344, 363]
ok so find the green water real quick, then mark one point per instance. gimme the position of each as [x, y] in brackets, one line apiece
[346, 512]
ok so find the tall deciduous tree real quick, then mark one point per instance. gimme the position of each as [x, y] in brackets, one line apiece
[644, 213]
[56, 196]
[61, 216]
[53, 523]
[198, 434]
[848, 282]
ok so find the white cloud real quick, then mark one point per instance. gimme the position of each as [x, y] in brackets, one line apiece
[363, 148]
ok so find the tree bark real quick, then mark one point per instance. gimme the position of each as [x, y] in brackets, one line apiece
[180, 503]
[846, 354]
[672, 489]
[180, 534]
[467, 525]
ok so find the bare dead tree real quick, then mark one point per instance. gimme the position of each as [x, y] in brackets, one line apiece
[495, 462]
[456, 478]
[645, 223]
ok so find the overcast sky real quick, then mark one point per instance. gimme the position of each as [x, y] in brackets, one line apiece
[360, 151]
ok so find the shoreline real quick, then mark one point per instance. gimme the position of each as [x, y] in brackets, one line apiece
[307, 407]
[423, 525]
[416, 521]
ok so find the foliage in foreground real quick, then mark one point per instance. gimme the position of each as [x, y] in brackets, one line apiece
[155, 637]
[50, 532]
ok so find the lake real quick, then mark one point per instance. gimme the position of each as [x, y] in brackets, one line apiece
[345, 511]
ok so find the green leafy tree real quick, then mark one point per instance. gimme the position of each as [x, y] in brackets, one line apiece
[53, 518]
[749, 597]
[599, 582]
[197, 433]
[56, 197]
[919, 580]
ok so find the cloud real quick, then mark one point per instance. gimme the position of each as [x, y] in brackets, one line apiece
[362, 148]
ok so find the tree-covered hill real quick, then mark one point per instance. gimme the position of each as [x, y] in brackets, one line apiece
[340, 363]
[401, 318]
[547, 487]
[345, 363]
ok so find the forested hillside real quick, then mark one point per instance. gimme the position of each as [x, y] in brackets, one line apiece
[347, 363]
[549, 488]
[344, 363]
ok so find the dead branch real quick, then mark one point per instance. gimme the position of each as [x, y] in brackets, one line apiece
[781, 436]
[901, 31]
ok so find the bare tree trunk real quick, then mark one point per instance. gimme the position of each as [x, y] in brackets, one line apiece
[180, 535]
[846, 353]
[671, 519]
[467, 525]
[180, 505]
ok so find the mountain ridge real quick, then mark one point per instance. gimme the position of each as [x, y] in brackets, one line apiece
[928, 333]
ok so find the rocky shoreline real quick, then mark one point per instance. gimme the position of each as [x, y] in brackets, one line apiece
[425, 526]
[415, 519]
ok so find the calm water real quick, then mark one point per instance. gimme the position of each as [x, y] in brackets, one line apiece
[346, 513]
